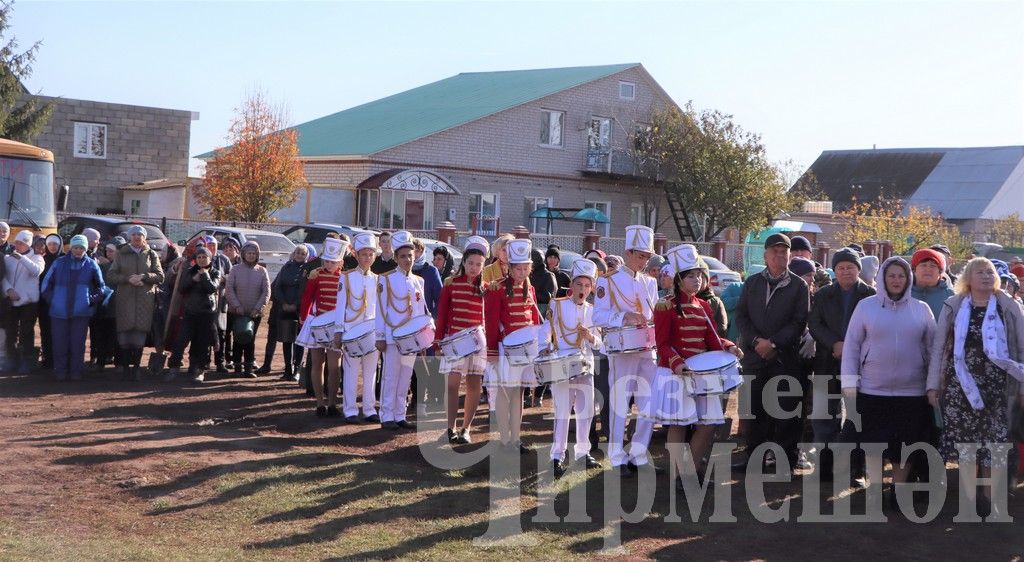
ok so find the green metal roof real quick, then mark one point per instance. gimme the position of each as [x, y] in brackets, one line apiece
[413, 114]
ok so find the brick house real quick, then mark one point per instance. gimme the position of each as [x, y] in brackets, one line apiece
[99, 147]
[485, 150]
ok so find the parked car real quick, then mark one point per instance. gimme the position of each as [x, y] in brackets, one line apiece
[316, 232]
[567, 259]
[454, 252]
[275, 248]
[109, 227]
[720, 274]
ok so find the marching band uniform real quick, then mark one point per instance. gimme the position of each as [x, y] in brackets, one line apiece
[319, 298]
[357, 304]
[630, 374]
[505, 313]
[399, 300]
[461, 307]
[576, 394]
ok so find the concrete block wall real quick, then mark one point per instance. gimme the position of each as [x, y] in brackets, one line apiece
[143, 143]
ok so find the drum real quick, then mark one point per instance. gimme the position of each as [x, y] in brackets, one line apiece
[709, 410]
[463, 343]
[322, 329]
[560, 366]
[359, 339]
[672, 401]
[521, 346]
[415, 335]
[629, 339]
[713, 371]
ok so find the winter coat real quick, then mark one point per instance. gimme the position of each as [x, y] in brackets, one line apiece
[22, 275]
[718, 314]
[780, 317]
[200, 296]
[431, 285]
[731, 298]
[67, 286]
[828, 324]
[286, 288]
[135, 305]
[933, 296]
[888, 341]
[248, 286]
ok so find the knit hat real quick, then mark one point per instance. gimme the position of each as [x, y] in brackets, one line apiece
[1001, 267]
[80, 241]
[846, 254]
[136, 229]
[869, 268]
[552, 251]
[942, 249]
[655, 262]
[1018, 270]
[800, 243]
[856, 248]
[118, 240]
[202, 251]
[925, 254]
[91, 234]
[25, 237]
[801, 266]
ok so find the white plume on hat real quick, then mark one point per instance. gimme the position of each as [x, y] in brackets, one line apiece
[401, 239]
[684, 257]
[519, 251]
[640, 237]
[334, 249]
[364, 240]
[479, 243]
[584, 268]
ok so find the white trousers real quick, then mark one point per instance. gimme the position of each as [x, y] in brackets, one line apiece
[572, 395]
[631, 375]
[394, 385]
[354, 367]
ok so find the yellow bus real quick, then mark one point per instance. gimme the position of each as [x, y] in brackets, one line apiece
[27, 195]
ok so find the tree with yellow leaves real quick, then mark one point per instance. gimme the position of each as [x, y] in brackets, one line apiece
[1009, 231]
[259, 171]
[909, 228]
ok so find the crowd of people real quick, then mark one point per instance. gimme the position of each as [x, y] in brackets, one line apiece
[920, 354]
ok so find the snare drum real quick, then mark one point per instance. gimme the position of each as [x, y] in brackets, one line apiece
[713, 372]
[709, 410]
[359, 340]
[415, 335]
[672, 401]
[629, 339]
[521, 347]
[463, 343]
[560, 366]
[317, 331]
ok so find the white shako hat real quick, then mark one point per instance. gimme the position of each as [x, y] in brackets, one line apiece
[519, 251]
[334, 249]
[684, 257]
[401, 239]
[479, 243]
[584, 268]
[364, 240]
[640, 237]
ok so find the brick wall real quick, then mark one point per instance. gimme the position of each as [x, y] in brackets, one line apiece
[143, 143]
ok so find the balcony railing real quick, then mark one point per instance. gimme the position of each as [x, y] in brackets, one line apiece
[615, 161]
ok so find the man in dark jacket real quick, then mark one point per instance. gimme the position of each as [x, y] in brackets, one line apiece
[830, 316]
[553, 259]
[771, 316]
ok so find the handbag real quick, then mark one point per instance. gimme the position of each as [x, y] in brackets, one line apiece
[243, 329]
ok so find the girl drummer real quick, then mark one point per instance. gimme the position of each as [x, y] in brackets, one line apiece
[572, 322]
[683, 328]
[319, 298]
[509, 305]
[460, 308]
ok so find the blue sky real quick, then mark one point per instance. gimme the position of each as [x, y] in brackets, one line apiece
[807, 76]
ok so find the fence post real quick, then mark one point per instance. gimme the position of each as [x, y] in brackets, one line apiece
[521, 232]
[884, 250]
[163, 225]
[591, 240]
[446, 232]
[718, 249]
[870, 247]
[660, 243]
[822, 254]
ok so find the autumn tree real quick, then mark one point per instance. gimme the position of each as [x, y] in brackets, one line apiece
[1009, 231]
[22, 117]
[717, 172]
[258, 172]
[909, 228]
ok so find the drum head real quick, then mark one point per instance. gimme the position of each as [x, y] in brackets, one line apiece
[325, 319]
[521, 336]
[359, 330]
[710, 361]
[412, 326]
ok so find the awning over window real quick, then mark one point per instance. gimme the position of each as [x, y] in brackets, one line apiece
[409, 180]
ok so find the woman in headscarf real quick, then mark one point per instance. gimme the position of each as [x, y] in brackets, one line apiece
[443, 262]
[54, 249]
[136, 274]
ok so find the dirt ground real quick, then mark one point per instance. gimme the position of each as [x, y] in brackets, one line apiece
[240, 469]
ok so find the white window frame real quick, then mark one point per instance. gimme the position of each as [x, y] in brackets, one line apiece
[607, 210]
[637, 210]
[134, 206]
[85, 133]
[547, 113]
[632, 86]
[596, 136]
[539, 202]
[479, 212]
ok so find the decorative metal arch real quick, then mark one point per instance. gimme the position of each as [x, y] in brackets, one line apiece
[413, 179]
